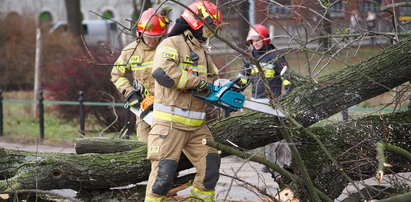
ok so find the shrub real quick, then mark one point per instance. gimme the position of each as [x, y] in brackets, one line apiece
[81, 73]
[17, 51]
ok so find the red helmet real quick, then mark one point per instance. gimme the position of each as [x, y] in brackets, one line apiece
[259, 32]
[151, 23]
[207, 10]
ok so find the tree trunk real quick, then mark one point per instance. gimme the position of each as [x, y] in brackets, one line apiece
[308, 103]
[346, 142]
[74, 18]
[104, 145]
[340, 90]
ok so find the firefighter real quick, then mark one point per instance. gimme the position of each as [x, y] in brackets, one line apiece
[137, 59]
[273, 66]
[182, 67]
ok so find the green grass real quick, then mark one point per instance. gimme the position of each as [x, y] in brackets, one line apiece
[21, 126]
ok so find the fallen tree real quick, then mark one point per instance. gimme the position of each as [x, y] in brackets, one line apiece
[308, 104]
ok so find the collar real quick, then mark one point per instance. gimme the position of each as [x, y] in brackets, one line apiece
[188, 36]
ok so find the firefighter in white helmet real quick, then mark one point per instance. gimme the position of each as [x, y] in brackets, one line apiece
[137, 59]
[181, 67]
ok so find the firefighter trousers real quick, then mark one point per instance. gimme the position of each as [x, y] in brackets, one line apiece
[143, 129]
[164, 148]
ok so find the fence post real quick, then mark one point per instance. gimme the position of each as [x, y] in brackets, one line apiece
[81, 100]
[1, 113]
[41, 115]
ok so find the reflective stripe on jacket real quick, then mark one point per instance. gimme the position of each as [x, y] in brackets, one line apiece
[176, 74]
[271, 65]
[137, 58]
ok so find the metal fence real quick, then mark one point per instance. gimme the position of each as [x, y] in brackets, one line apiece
[41, 102]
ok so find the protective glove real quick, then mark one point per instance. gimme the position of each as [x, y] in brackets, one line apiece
[288, 88]
[134, 99]
[202, 87]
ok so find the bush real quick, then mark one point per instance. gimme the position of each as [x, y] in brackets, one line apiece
[17, 50]
[79, 73]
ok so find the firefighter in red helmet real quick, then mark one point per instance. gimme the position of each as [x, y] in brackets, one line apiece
[274, 66]
[137, 59]
[181, 66]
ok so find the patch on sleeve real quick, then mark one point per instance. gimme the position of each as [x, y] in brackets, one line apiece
[154, 149]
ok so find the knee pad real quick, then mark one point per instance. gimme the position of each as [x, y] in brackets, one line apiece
[212, 171]
[165, 176]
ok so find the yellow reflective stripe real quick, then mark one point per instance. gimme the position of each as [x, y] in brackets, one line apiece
[120, 81]
[244, 80]
[177, 119]
[169, 50]
[162, 24]
[133, 103]
[179, 111]
[183, 80]
[204, 195]
[269, 73]
[254, 70]
[286, 82]
[144, 65]
[199, 68]
[148, 199]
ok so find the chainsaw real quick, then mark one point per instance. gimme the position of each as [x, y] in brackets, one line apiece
[228, 95]
[223, 93]
[145, 114]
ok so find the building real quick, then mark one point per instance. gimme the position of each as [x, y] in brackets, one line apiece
[54, 11]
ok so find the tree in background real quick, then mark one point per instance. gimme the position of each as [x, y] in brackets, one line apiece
[74, 18]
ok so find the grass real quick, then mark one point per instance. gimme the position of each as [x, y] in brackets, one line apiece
[21, 126]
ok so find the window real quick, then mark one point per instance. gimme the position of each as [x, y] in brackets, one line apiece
[369, 6]
[45, 17]
[281, 7]
[108, 15]
[337, 9]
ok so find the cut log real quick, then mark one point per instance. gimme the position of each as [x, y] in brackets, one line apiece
[103, 145]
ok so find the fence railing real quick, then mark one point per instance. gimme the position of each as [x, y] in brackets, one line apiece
[41, 102]
[81, 102]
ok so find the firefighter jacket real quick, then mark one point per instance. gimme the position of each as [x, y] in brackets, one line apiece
[138, 59]
[180, 63]
[272, 66]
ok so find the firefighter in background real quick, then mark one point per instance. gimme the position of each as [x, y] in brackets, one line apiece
[137, 59]
[182, 67]
[274, 66]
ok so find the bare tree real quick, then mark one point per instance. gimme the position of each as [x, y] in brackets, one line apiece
[74, 18]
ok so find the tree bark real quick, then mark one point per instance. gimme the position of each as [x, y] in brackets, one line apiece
[346, 142]
[104, 145]
[308, 104]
